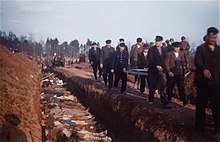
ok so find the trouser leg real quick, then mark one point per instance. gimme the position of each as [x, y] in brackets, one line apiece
[124, 81]
[142, 85]
[181, 87]
[153, 86]
[161, 89]
[170, 86]
[110, 79]
[94, 66]
[214, 100]
[117, 78]
[105, 71]
[201, 102]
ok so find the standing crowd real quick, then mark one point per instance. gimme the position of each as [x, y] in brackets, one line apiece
[166, 64]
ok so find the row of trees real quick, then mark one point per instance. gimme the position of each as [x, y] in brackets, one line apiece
[28, 45]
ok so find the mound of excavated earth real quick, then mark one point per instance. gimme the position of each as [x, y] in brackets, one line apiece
[20, 114]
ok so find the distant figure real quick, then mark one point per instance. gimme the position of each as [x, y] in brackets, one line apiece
[207, 79]
[121, 40]
[164, 44]
[55, 59]
[185, 47]
[135, 50]
[175, 63]
[143, 64]
[168, 46]
[105, 63]
[119, 65]
[151, 44]
[171, 41]
[157, 70]
[82, 57]
[94, 59]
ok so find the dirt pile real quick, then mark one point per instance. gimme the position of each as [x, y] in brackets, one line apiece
[20, 114]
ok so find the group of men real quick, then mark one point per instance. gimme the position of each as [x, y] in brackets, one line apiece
[166, 66]
[156, 58]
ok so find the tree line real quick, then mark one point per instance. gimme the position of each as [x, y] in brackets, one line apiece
[27, 45]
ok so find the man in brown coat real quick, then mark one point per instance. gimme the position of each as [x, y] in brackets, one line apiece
[207, 62]
[135, 50]
[175, 63]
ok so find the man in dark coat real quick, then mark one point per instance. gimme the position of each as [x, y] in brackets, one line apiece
[94, 59]
[119, 65]
[143, 64]
[175, 63]
[105, 63]
[157, 70]
[168, 46]
[207, 62]
[121, 40]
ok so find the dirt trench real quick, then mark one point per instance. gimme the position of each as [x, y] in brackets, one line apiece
[65, 118]
[129, 116]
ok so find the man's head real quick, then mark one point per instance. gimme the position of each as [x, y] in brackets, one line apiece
[183, 38]
[108, 42]
[151, 44]
[139, 41]
[212, 34]
[158, 41]
[122, 46]
[146, 47]
[94, 45]
[171, 40]
[167, 42]
[121, 40]
[176, 46]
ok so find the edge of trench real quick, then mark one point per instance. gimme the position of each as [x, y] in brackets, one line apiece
[126, 117]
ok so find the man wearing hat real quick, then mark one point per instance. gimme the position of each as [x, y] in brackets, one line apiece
[207, 80]
[143, 64]
[105, 63]
[175, 63]
[135, 50]
[119, 65]
[121, 40]
[185, 47]
[157, 70]
[94, 59]
[168, 46]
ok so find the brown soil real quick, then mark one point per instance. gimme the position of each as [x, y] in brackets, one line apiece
[125, 113]
[20, 113]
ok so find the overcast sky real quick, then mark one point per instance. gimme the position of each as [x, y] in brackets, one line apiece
[101, 20]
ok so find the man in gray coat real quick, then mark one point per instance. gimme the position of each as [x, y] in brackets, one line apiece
[105, 63]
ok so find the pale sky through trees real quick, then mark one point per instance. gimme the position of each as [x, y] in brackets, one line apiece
[100, 20]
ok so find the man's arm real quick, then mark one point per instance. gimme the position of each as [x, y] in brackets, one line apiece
[199, 59]
[101, 55]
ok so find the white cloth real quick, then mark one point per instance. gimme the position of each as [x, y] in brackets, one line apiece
[176, 54]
